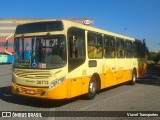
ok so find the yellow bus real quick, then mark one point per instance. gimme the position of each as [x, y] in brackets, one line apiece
[60, 59]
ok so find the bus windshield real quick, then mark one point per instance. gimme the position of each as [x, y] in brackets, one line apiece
[40, 52]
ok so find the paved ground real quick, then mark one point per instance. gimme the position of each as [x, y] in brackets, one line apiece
[144, 96]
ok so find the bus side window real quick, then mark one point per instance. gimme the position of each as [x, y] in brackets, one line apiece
[128, 49]
[135, 49]
[95, 45]
[109, 46]
[120, 48]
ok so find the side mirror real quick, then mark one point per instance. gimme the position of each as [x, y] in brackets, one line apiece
[6, 44]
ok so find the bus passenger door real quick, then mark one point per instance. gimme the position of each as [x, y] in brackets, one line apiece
[76, 59]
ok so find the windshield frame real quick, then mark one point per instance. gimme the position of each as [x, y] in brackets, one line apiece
[44, 37]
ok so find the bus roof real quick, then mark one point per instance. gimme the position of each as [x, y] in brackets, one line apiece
[94, 29]
[88, 28]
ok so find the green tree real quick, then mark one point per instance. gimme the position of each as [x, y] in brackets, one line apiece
[154, 56]
[151, 55]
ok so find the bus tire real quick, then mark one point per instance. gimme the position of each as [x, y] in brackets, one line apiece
[92, 89]
[133, 80]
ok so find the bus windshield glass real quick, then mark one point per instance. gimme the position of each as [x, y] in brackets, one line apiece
[40, 52]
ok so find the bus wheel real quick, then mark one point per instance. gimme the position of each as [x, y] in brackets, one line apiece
[133, 81]
[92, 89]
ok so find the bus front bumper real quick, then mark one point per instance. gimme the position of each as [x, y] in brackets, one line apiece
[59, 92]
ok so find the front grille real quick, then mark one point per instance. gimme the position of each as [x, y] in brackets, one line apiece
[33, 74]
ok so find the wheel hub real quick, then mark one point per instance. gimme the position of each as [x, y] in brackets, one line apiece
[92, 87]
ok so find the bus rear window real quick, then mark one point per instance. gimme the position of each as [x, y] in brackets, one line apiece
[40, 27]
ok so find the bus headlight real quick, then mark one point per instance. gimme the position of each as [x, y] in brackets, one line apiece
[56, 82]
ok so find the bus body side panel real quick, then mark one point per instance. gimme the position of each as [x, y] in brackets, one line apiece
[109, 71]
[117, 71]
[124, 70]
[98, 68]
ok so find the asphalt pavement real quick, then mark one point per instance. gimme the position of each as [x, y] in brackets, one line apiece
[143, 96]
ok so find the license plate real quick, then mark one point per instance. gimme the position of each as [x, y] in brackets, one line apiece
[31, 92]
